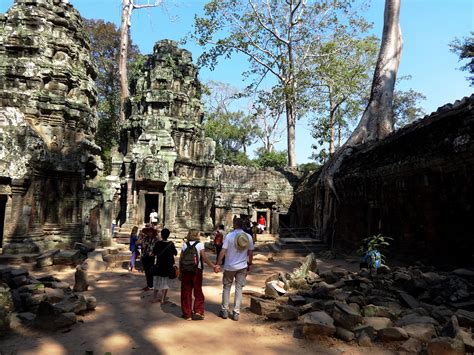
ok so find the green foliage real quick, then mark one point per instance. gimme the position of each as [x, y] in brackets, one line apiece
[464, 48]
[233, 132]
[105, 47]
[375, 243]
[274, 159]
[339, 93]
[406, 107]
[279, 39]
[309, 167]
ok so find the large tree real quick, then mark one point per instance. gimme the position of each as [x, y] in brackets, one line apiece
[278, 39]
[376, 122]
[105, 43]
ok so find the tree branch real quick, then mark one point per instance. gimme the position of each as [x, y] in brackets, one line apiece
[269, 30]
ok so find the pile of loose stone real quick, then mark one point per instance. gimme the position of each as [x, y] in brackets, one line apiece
[414, 309]
[46, 302]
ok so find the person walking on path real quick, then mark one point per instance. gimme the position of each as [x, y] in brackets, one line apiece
[238, 250]
[219, 240]
[191, 267]
[164, 252]
[133, 248]
[148, 242]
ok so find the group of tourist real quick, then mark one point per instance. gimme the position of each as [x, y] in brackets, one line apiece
[234, 253]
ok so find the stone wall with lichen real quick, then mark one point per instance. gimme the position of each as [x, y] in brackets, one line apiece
[248, 192]
[47, 123]
[415, 186]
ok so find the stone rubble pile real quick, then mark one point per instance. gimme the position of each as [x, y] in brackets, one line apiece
[418, 307]
[47, 302]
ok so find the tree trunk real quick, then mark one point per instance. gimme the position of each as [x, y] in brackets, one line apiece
[127, 8]
[332, 123]
[291, 123]
[376, 122]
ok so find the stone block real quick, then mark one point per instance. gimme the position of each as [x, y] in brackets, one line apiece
[67, 257]
[410, 301]
[465, 318]
[262, 307]
[467, 340]
[19, 272]
[35, 289]
[377, 322]
[296, 300]
[50, 317]
[392, 334]
[81, 282]
[46, 259]
[451, 328]
[344, 334]
[422, 332]
[377, 311]
[345, 316]
[91, 303]
[414, 318]
[318, 323]
[54, 295]
[412, 346]
[284, 312]
[74, 304]
[445, 346]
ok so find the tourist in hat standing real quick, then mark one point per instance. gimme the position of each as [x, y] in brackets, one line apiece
[238, 251]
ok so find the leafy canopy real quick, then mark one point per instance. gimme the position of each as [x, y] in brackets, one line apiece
[464, 48]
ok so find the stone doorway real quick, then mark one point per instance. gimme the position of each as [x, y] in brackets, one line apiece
[3, 205]
[154, 201]
[266, 215]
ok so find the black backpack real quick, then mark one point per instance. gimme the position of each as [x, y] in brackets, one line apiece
[189, 261]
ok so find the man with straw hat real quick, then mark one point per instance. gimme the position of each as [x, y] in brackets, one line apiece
[238, 253]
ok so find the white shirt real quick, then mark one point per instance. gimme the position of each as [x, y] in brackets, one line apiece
[234, 258]
[199, 246]
[154, 217]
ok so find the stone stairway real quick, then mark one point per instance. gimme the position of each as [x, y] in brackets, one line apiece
[291, 247]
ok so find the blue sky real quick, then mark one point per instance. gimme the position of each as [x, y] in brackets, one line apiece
[428, 26]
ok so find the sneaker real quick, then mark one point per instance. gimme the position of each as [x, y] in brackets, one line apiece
[186, 318]
[235, 316]
[147, 288]
[223, 314]
[198, 316]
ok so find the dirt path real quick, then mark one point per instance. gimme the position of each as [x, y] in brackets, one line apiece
[126, 323]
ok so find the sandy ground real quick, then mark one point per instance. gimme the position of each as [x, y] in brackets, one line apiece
[125, 322]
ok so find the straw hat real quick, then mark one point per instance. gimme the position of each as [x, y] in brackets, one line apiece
[242, 242]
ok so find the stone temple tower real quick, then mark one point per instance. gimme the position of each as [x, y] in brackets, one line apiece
[47, 123]
[168, 164]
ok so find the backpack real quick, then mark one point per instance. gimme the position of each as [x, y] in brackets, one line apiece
[218, 238]
[190, 259]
